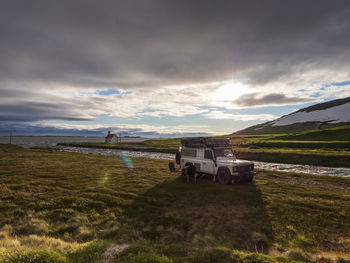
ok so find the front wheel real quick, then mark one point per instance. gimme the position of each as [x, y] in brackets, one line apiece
[224, 177]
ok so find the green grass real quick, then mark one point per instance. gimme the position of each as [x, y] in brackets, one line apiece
[330, 134]
[69, 207]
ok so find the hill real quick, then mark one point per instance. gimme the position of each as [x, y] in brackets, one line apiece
[319, 116]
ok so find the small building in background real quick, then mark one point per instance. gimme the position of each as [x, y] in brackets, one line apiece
[111, 137]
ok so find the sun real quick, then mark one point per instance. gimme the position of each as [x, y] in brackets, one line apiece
[227, 93]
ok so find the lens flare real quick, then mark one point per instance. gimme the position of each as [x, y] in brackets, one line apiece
[104, 179]
[127, 161]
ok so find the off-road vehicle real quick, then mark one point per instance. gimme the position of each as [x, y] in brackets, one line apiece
[213, 157]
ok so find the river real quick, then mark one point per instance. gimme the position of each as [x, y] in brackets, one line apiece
[34, 141]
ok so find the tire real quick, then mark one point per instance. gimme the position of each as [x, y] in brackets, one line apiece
[224, 176]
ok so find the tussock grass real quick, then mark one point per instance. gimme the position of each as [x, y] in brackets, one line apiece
[69, 207]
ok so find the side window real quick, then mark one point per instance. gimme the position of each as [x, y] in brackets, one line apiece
[189, 152]
[208, 154]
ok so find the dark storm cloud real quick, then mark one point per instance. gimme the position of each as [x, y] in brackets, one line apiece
[169, 41]
[34, 111]
[253, 100]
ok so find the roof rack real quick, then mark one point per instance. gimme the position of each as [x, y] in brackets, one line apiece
[199, 142]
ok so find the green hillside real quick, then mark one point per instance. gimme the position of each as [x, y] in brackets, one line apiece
[341, 133]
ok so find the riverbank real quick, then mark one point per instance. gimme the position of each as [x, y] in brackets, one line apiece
[71, 207]
[318, 157]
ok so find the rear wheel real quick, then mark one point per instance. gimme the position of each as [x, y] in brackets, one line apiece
[224, 176]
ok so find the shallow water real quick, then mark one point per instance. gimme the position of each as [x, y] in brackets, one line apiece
[28, 142]
[153, 155]
[308, 169]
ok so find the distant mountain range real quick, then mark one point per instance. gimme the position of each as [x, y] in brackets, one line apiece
[322, 115]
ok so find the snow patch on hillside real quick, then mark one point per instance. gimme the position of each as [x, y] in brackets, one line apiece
[331, 115]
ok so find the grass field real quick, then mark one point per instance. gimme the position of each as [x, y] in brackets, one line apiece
[69, 207]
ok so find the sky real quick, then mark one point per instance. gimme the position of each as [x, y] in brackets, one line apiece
[166, 68]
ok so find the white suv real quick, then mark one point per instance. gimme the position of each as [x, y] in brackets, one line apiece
[213, 157]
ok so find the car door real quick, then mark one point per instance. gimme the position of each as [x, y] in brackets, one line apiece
[208, 163]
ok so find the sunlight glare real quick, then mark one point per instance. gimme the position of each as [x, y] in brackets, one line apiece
[228, 93]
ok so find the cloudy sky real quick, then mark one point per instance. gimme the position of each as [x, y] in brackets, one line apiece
[167, 68]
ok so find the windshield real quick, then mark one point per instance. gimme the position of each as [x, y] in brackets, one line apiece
[223, 152]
